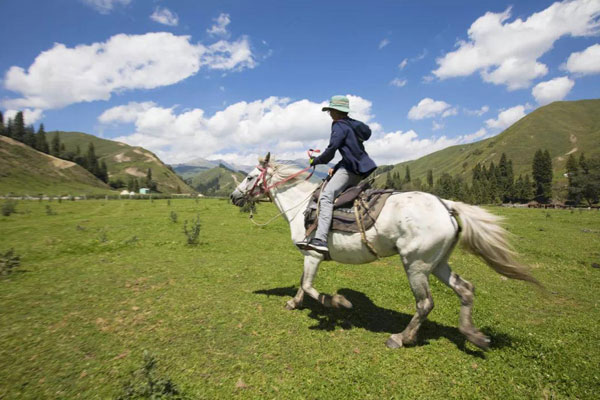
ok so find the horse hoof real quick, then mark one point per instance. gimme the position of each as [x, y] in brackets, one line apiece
[479, 340]
[339, 301]
[290, 305]
[392, 344]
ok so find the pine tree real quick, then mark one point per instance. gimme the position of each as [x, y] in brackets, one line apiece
[574, 190]
[18, 128]
[407, 175]
[41, 144]
[136, 185]
[29, 136]
[91, 161]
[2, 128]
[430, 179]
[55, 145]
[103, 172]
[542, 176]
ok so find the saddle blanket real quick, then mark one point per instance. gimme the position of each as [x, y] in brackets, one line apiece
[369, 204]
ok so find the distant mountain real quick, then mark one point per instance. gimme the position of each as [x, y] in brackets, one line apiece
[200, 164]
[563, 128]
[124, 161]
[26, 171]
[217, 181]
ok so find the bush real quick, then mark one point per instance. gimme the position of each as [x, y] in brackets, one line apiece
[194, 232]
[144, 384]
[173, 216]
[9, 207]
[9, 261]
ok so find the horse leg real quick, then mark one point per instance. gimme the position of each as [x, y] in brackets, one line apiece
[296, 301]
[418, 278]
[311, 265]
[466, 293]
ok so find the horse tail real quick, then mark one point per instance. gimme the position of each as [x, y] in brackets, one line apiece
[483, 236]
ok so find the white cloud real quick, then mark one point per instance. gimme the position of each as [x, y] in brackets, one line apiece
[436, 126]
[506, 118]
[473, 136]
[403, 64]
[552, 90]
[400, 146]
[586, 62]
[398, 82]
[507, 53]
[479, 112]
[165, 16]
[62, 76]
[383, 43]
[30, 116]
[105, 6]
[429, 108]
[220, 26]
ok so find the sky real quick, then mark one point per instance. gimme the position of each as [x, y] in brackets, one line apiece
[233, 80]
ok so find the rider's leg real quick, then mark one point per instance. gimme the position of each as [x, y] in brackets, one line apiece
[340, 180]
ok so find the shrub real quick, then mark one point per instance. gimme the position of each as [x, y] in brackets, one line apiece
[173, 216]
[9, 261]
[144, 384]
[194, 232]
[9, 207]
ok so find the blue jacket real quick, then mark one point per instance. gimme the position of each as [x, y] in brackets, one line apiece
[347, 136]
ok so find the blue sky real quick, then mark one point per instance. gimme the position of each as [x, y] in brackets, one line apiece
[235, 79]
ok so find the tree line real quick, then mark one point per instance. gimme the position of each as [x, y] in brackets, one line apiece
[16, 129]
[496, 183]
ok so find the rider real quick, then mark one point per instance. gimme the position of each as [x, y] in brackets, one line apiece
[347, 136]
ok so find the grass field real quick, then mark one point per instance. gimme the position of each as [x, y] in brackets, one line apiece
[100, 282]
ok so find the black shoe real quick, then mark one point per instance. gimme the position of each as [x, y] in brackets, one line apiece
[318, 245]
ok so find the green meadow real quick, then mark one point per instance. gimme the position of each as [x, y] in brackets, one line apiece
[101, 283]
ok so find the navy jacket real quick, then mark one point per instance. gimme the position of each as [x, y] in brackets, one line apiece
[347, 136]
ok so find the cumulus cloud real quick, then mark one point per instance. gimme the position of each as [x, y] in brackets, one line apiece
[244, 130]
[552, 90]
[506, 118]
[436, 126]
[586, 62]
[478, 112]
[30, 116]
[220, 26]
[165, 16]
[507, 53]
[403, 64]
[383, 43]
[429, 108]
[105, 6]
[62, 75]
[398, 82]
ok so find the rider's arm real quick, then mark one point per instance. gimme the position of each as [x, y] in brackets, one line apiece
[338, 134]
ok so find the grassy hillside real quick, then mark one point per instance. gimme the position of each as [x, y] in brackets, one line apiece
[124, 161]
[25, 171]
[219, 181]
[563, 128]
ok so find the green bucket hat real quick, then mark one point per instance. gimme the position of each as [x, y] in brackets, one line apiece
[340, 103]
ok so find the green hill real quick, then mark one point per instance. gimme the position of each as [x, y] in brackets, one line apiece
[563, 128]
[123, 161]
[218, 181]
[26, 171]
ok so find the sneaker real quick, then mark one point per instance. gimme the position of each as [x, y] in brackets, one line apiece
[302, 245]
[318, 245]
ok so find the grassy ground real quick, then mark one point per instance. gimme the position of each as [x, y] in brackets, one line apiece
[102, 281]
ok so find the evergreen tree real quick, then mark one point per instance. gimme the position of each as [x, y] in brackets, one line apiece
[29, 136]
[63, 150]
[574, 190]
[8, 128]
[55, 145]
[130, 183]
[407, 174]
[542, 176]
[149, 178]
[41, 144]
[430, 179]
[136, 185]
[91, 161]
[2, 128]
[18, 127]
[103, 172]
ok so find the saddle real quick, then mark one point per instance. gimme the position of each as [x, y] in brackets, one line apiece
[355, 210]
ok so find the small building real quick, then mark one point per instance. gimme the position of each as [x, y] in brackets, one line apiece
[125, 193]
[144, 191]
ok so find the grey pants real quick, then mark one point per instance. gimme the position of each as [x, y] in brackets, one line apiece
[340, 181]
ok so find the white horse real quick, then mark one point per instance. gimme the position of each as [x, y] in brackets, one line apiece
[418, 226]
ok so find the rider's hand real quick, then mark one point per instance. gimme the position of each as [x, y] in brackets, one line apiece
[311, 161]
[331, 171]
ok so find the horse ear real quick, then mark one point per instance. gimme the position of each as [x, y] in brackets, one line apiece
[267, 158]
